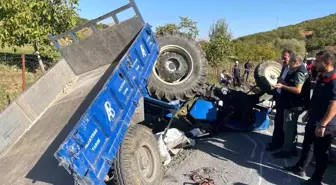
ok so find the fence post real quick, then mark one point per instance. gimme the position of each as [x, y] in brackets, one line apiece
[23, 72]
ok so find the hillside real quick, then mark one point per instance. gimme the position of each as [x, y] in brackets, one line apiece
[317, 33]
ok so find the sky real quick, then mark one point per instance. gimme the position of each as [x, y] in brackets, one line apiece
[244, 17]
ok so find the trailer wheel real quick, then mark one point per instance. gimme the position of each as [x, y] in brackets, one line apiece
[180, 70]
[266, 75]
[138, 160]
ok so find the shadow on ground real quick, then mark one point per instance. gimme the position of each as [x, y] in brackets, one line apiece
[224, 148]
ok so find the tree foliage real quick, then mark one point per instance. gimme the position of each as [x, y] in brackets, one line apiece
[317, 33]
[204, 44]
[220, 46]
[265, 51]
[220, 28]
[186, 25]
[85, 32]
[218, 50]
[295, 45]
[31, 21]
[243, 51]
[254, 51]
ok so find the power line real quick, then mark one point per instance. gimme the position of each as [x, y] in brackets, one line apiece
[277, 24]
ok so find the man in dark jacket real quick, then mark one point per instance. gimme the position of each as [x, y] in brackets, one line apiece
[278, 134]
[296, 94]
[321, 127]
[236, 75]
[247, 70]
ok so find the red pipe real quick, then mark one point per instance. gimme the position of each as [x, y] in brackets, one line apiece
[23, 71]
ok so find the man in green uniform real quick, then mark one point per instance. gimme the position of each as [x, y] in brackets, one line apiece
[295, 86]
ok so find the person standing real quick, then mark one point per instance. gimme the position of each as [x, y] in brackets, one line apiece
[296, 95]
[236, 74]
[321, 127]
[247, 70]
[278, 134]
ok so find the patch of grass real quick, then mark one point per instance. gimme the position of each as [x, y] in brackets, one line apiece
[11, 83]
[212, 78]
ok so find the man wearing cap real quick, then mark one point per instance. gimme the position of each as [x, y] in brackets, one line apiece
[296, 95]
[321, 127]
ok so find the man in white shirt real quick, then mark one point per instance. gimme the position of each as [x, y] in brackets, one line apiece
[285, 70]
[225, 78]
[278, 133]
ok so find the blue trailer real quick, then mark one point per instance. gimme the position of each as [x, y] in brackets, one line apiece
[110, 142]
[89, 150]
[98, 149]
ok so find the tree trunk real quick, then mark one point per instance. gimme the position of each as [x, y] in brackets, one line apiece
[36, 52]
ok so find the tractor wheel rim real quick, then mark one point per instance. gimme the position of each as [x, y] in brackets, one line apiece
[146, 163]
[271, 74]
[173, 64]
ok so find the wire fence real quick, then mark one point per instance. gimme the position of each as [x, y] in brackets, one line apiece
[18, 72]
[31, 61]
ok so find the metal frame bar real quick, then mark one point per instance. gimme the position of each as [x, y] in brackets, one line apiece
[173, 109]
[92, 23]
[161, 104]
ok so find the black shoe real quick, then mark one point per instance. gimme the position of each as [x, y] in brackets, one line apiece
[271, 147]
[295, 170]
[311, 182]
[294, 153]
[282, 155]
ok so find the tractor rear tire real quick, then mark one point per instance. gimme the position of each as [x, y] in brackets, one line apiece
[266, 75]
[138, 159]
[180, 70]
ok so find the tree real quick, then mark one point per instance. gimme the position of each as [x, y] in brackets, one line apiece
[317, 33]
[298, 47]
[204, 45]
[243, 50]
[257, 52]
[167, 28]
[186, 25]
[220, 28]
[219, 48]
[264, 51]
[31, 22]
